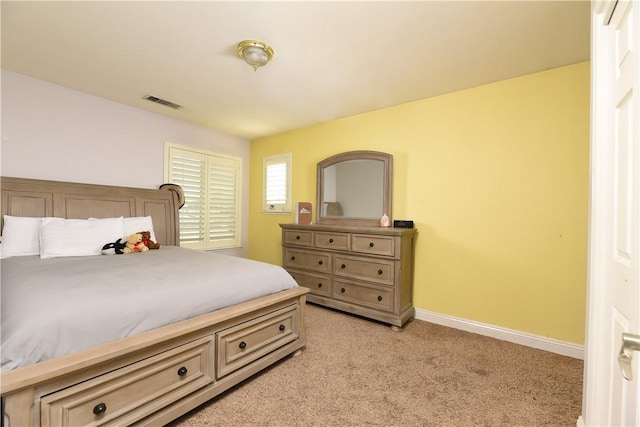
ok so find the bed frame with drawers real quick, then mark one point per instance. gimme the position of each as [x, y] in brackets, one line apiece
[153, 377]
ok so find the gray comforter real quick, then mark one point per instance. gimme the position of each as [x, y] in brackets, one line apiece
[52, 307]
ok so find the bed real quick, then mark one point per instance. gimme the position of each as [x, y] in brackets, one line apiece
[126, 364]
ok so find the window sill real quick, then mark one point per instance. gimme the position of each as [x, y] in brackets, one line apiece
[277, 212]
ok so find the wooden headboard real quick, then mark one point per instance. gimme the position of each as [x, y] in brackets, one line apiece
[39, 198]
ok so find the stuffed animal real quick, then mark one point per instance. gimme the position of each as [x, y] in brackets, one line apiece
[146, 239]
[114, 248]
[134, 244]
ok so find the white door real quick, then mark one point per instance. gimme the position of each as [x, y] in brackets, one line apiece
[614, 251]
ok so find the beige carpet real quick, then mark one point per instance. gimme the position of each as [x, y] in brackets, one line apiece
[355, 372]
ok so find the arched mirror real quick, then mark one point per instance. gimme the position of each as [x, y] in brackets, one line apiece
[354, 188]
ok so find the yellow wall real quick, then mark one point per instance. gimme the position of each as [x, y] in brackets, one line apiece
[496, 180]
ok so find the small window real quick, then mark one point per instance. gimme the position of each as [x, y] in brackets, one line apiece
[277, 183]
[210, 217]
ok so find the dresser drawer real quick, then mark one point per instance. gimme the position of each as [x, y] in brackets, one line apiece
[364, 294]
[318, 284]
[372, 244]
[308, 260]
[337, 241]
[249, 341]
[298, 237]
[118, 397]
[379, 271]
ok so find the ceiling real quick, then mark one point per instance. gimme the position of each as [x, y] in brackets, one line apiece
[333, 59]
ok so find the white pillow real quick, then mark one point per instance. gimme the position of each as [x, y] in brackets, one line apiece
[137, 224]
[77, 237]
[20, 236]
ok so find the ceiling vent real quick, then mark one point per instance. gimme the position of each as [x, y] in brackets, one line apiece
[163, 102]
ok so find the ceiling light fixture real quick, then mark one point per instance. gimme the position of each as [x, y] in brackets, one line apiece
[255, 53]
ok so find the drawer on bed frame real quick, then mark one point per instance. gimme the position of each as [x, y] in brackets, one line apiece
[128, 394]
[244, 343]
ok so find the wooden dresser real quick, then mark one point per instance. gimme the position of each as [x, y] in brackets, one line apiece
[366, 271]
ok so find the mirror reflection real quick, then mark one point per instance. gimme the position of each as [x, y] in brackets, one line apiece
[353, 188]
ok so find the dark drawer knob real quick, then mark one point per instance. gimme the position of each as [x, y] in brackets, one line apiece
[297, 237]
[281, 328]
[100, 409]
[242, 344]
[330, 240]
[343, 290]
[293, 258]
[182, 371]
[344, 266]
[371, 244]
[320, 262]
[379, 271]
[379, 298]
[319, 285]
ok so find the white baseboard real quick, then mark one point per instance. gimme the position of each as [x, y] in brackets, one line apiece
[548, 344]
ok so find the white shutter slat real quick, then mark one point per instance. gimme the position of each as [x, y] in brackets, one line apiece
[210, 217]
[276, 183]
[223, 193]
[276, 190]
[188, 171]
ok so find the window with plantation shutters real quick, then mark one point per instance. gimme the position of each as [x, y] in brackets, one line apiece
[210, 217]
[277, 183]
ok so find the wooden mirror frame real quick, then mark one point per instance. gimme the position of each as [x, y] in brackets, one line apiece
[387, 160]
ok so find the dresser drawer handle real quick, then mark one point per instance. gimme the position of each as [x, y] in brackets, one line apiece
[380, 271]
[330, 240]
[319, 285]
[281, 328]
[100, 408]
[297, 237]
[343, 290]
[182, 371]
[293, 258]
[242, 344]
[320, 262]
[379, 298]
[344, 266]
[371, 244]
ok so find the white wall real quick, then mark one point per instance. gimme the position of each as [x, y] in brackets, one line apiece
[51, 132]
